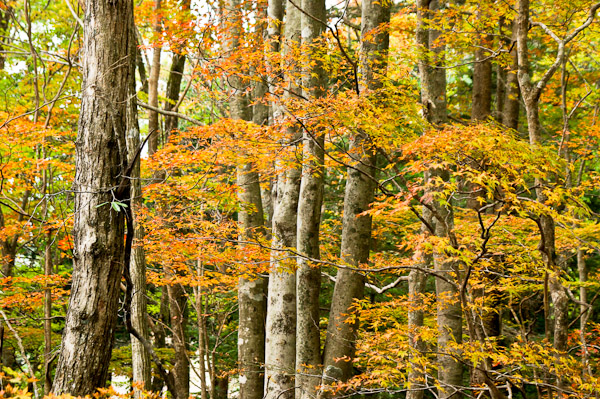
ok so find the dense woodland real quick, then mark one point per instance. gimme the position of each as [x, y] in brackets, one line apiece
[300, 199]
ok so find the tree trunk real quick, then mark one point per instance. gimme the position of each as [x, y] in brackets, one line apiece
[433, 97]
[358, 195]
[101, 160]
[433, 80]
[47, 313]
[201, 333]
[449, 309]
[251, 292]
[5, 15]
[280, 350]
[140, 358]
[173, 92]
[510, 115]
[153, 123]
[416, 291]
[482, 81]
[308, 276]
[181, 366]
[531, 95]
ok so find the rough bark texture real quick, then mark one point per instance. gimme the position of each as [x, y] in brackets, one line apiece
[308, 275]
[359, 192]
[280, 351]
[140, 358]
[101, 157]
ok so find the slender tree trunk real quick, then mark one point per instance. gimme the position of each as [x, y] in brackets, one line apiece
[181, 367]
[433, 80]
[482, 81]
[510, 115]
[280, 350]
[173, 92]
[449, 309]
[47, 314]
[449, 312]
[416, 291]
[140, 358]
[153, 123]
[101, 160]
[359, 193]
[501, 73]
[251, 292]
[201, 333]
[531, 95]
[308, 276]
[5, 15]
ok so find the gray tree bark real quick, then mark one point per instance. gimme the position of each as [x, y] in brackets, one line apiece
[280, 350]
[251, 292]
[101, 159]
[358, 195]
[308, 276]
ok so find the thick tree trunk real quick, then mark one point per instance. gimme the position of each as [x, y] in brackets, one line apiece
[101, 159]
[308, 275]
[140, 358]
[280, 350]
[359, 193]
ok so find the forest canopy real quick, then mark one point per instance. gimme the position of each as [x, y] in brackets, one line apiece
[299, 199]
